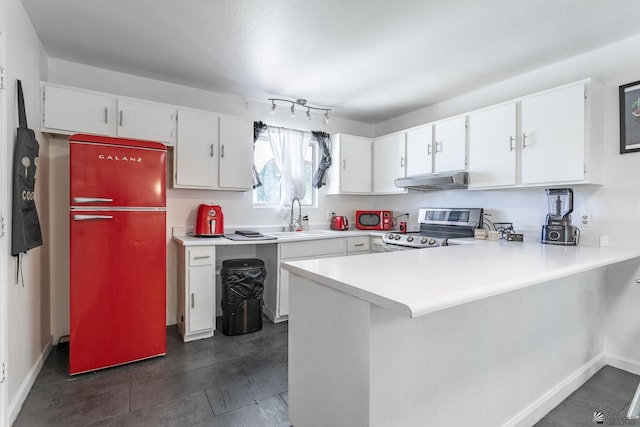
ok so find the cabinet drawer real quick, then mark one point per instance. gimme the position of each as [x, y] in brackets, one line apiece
[312, 248]
[358, 244]
[201, 256]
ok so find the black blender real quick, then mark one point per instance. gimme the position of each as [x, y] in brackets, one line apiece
[558, 229]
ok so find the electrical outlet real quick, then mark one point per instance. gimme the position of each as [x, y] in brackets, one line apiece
[585, 220]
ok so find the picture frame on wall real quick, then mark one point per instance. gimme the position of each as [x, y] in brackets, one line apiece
[629, 96]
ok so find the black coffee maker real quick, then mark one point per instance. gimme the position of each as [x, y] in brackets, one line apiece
[558, 229]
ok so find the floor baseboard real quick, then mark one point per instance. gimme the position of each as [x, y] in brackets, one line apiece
[15, 405]
[552, 398]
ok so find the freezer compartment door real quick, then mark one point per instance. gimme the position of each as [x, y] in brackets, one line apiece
[116, 175]
[117, 288]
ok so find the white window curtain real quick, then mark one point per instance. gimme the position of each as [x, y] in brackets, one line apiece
[289, 148]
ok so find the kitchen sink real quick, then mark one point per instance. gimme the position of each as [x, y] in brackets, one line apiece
[300, 234]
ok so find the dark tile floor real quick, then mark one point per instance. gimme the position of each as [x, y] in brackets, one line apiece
[609, 391]
[224, 381]
[237, 381]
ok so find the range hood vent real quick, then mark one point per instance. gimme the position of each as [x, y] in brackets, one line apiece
[434, 181]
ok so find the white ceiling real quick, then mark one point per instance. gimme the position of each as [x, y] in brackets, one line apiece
[369, 60]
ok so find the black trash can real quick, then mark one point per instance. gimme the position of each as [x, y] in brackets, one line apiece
[242, 289]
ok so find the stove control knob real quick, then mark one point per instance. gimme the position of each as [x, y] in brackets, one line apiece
[409, 238]
[432, 241]
[423, 240]
[397, 237]
[390, 236]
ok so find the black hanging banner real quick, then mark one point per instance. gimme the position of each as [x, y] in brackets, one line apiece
[25, 227]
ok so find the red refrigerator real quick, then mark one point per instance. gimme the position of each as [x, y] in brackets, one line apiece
[117, 251]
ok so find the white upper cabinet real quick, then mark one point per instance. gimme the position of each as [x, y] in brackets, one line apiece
[553, 136]
[420, 150]
[389, 162]
[69, 111]
[549, 138]
[450, 145]
[146, 120]
[493, 147]
[235, 153]
[350, 171]
[196, 152]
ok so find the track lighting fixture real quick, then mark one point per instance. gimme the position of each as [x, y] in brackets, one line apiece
[302, 103]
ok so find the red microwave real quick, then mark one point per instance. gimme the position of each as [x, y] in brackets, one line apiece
[374, 220]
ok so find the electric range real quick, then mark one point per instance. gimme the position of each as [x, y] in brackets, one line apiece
[437, 226]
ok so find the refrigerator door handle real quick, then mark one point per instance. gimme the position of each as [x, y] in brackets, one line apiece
[91, 200]
[90, 217]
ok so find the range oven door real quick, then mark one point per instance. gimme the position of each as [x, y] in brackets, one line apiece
[390, 247]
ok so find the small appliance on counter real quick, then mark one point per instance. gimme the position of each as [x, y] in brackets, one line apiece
[558, 229]
[209, 221]
[339, 222]
[374, 220]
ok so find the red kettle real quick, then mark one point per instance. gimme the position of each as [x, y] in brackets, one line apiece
[339, 222]
[209, 220]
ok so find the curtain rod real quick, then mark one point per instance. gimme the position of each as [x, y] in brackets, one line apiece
[296, 130]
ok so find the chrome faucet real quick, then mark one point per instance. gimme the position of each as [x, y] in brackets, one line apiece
[297, 224]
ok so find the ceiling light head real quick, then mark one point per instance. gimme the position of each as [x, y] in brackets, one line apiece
[293, 110]
[326, 118]
[273, 106]
[309, 113]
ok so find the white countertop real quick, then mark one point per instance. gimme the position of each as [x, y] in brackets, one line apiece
[415, 283]
[187, 240]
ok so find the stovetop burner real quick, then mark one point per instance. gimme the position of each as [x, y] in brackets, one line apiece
[437, 225]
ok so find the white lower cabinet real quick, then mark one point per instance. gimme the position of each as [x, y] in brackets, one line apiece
[358, 245]
[196, 292]
[296, 251]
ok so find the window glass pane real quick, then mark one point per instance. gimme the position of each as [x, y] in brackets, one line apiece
[268, 194]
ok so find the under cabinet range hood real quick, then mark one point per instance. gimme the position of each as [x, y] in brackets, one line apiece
[434, 181]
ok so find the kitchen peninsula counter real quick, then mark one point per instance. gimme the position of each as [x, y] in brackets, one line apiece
[425, 281]
[489, 334]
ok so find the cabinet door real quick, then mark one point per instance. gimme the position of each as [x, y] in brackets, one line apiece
[283, 293]
[73, 111]
[553, 130]
[355, 164]
[146, 120]
[201, 298]
[388, 163]
[450, 145]
[236, 153]
[492, 147]
[419, 150]
[196, 151]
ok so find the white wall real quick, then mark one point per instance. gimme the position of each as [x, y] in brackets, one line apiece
[615, 206]
[181, 204]
[28, 306]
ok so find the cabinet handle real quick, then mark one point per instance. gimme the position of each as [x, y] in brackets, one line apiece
[357, 245]
[106, 115]
[202, 257]
[402, 161]
[222, 151]
[524, 140]
[120, 117]
[439, 144]
[91, 217]
[511, 141]
[429, 150]
[211, 150]
[344, 163]
[193, 300]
